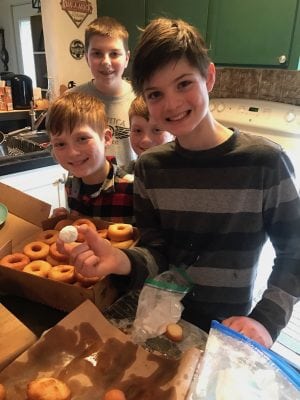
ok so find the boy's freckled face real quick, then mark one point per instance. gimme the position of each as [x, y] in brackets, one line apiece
[81, 152]
[177, 97]
[146, 134]
[107, 59]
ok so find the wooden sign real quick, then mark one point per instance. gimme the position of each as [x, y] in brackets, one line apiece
[77, 10]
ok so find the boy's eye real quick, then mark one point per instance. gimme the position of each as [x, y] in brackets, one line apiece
[184, 84]
[156, 131]
[153, 95]
[58, 144]
[136, 130]
[82, 138]
[115, 54]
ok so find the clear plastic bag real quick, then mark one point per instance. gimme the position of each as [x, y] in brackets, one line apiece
[159, 305]
[237, 368]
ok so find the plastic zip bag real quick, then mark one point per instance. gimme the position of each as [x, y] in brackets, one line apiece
[159, 304]
[235, 367]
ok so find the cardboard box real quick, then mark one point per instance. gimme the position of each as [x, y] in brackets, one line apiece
[6, 103]
[26, 218]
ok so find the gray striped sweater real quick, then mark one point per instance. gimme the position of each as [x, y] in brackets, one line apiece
[210, 213]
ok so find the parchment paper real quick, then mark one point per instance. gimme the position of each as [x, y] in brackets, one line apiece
[91, 356]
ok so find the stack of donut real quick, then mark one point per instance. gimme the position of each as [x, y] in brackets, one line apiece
[42, 258]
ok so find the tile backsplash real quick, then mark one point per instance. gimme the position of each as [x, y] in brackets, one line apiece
[253, 83]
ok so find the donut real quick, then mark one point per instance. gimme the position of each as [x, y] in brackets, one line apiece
[62, 223]
[174, 332]
[54, 253]
[2, 392]
[83, 221]
[38, 267]
[15, 261]
[122, 245]
[49, 236]
[114, 394]
[102, 233]
[85, 281]
[48, 389]
[62, 273]
[36, 250]
[120, 232]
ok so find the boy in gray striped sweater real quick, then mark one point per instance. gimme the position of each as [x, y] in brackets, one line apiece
[208, 201]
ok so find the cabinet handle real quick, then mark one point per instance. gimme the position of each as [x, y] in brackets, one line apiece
[282, 59]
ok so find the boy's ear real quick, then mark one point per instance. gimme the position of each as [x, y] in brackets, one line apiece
[127, 58]
[211, 77]
[107, 137]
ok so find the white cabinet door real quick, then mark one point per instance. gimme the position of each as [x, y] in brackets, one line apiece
[45, 183]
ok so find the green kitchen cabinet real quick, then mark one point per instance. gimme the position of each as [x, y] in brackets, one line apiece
[253, 33]
[137, 13]
[131, 13]
[193, 11]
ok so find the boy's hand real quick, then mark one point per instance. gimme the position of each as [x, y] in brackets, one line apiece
[250, 328]
[96, 256]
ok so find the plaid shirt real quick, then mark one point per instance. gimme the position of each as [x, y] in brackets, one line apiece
[112, 200]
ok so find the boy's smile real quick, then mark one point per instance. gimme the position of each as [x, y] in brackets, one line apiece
[177, 99]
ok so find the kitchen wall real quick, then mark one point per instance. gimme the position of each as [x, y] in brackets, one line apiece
[59, 31]
[257, 83]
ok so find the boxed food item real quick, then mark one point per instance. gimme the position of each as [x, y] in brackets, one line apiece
[27, 217]
[91, 356]
[6, 103]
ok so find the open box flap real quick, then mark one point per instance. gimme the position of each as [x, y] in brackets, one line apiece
[23, 205]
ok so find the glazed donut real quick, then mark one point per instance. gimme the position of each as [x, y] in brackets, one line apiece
[122, 245]
[48, 388]
[62, 223]
[36, 250]
[62, 273]
[120, 232]
[102, 233]
[49, 236]
[83, 221]
[38, 267]
[15, 261]
[2, 392]
[85, 281]
[54, 253]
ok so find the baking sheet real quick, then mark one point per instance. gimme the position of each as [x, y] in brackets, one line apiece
[91, 356]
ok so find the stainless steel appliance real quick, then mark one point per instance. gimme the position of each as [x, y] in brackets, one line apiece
[280, 123]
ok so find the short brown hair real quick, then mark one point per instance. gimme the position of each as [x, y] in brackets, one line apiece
[165, 40]
[74, 109]
[139, 108]
[106, 26]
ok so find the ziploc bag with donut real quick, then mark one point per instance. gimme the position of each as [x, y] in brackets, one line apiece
[235, 367]
[159, 304]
